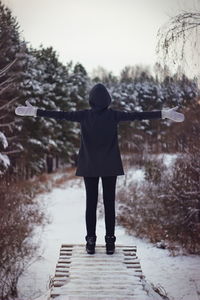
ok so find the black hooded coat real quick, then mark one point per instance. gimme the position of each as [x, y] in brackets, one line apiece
[99, 153]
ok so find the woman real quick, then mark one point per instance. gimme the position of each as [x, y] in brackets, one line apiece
[99, 154]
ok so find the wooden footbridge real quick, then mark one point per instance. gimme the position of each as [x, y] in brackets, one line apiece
[80, 276]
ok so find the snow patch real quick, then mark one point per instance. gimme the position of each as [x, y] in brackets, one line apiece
[3, 140]
[4, 160]
[34, 141]
[179, 276]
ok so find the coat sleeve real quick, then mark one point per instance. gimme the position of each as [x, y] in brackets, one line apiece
[74, 116]
[131, 116]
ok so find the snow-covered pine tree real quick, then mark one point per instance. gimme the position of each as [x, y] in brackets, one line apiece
[17, 212]
[138, 93]
[12, 68]
[43, 87]
[4, 159]
[53, 86]
[142, 92]
[76, 90]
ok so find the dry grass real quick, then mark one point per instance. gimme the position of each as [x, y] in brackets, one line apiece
[46, 182]
[19, 215]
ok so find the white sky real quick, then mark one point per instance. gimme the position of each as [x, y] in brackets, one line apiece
[107, 33]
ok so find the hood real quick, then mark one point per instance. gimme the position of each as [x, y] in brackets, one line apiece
[99, 97]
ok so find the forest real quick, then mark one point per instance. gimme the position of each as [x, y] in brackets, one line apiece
[167, 208]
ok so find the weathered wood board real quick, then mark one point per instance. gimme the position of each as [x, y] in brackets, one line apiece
[79, 275]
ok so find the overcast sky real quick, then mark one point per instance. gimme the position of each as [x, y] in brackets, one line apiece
[109, 33]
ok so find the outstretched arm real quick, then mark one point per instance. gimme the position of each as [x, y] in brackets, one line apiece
[33, 111]
[131, 116]
[150, 115]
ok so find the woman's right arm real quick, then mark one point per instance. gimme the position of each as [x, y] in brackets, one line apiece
[29, 110]
[74, 116]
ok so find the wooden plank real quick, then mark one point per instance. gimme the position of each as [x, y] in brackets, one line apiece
[99, 276]
[98, 297]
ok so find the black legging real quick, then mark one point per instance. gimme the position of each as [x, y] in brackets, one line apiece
[91, 185]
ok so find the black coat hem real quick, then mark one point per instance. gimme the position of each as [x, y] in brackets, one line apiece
[102, 175]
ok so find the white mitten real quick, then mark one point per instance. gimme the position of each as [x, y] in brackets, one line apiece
[28, 110]
[172, 115]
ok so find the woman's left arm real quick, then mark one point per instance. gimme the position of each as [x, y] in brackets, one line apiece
[150, 115]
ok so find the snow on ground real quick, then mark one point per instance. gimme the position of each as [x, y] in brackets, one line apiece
[179, 276]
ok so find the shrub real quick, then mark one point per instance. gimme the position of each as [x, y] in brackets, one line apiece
[19, 214]
[166, 206]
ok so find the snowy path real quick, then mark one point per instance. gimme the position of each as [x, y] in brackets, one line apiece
[180, 276]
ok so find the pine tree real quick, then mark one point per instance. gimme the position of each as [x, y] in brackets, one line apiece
[12, 68]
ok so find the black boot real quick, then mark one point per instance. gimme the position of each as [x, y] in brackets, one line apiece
[110, 244]
[90, 246]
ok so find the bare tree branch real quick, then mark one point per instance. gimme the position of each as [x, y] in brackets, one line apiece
[6, 68]
[10, 138]
[9, 103]
[3, 116]
[12, 152]
[7, 81]
[5, 88]
[9, 125]
[178, 39]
